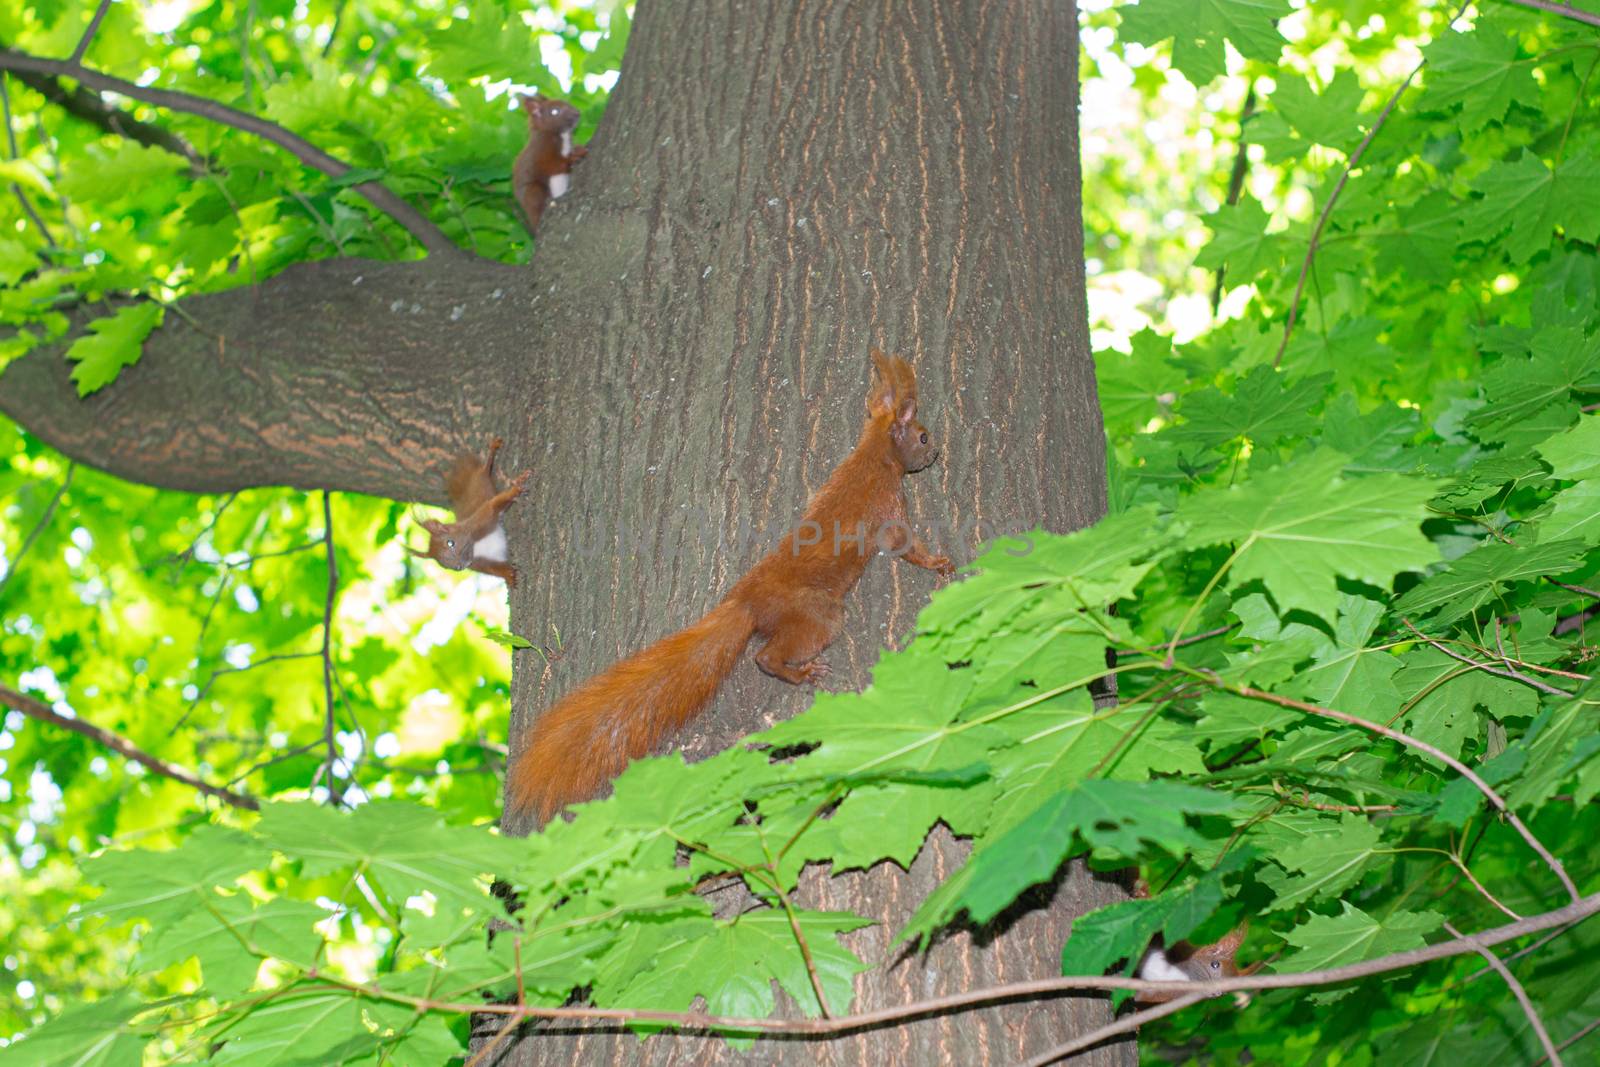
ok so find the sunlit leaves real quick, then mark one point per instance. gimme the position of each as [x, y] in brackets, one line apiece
[1300, 527]
[1198, 30]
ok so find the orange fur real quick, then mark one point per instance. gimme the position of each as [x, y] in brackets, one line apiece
[794, 597]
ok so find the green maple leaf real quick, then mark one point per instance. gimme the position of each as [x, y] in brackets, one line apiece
[1265, 406]
[1533, 201]
[1574, 454]
[1529, 399]
[395, 842]
[96, 1034]
[1479, 70]
[1114, 818]
[1328, 862]
[1123, 930]
[1326, 118]
[732, 965]
[299, 1026]
[1198, 29]
[1472, 580]
[112, 344]
[1574, 514]
[230, 938]
[1421, 238]
[1302, 526]
[1346, 674]
[1444, 694]
[1130, 386]
[1354, 936]
[164, 886]
[1240, 243]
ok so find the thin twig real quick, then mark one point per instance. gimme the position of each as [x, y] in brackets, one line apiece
[1333, 198]
[1517, 991]
[1124, 1025]
[16, 187]
[1196, 639]
[1513, 675]
[1582, 589]
[1241, 162]
[38, 528]
[1564, 10]
[1573, 1040]
[1421, 746]
[38, 709]
[334, 796]
[88, 34]
[418, 225]
[1583, 908]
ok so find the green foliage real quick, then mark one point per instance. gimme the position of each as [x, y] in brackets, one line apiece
[1398, 519]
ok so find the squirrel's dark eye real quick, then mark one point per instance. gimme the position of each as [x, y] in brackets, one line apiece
[924, 437]
[448, 543]
[1216, 965]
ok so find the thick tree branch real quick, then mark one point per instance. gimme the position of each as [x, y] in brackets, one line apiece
[418, 225]
[345, 374]
[37, 709]
[91, 107]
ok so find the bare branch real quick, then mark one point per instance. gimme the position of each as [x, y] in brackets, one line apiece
[1516, 990]
[1513, 675]
[91, 107]
[1421, 746]
[1126, 1024]
[418, 225]
[37, 709]
[38, 528]
[1564, 10]
[11, 143]
[88, 34]
[327, 645]
[1241, 163]
[1580, 909]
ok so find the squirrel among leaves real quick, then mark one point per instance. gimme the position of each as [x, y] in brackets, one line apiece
[1184, 962]
[542, 171]
[793, 597]
[476, 540]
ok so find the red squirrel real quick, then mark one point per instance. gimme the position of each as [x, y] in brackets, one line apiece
[1184, 962]
[476, 540]
[543, 169]
[793, 597]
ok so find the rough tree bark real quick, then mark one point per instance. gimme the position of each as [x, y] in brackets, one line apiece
[774, 188]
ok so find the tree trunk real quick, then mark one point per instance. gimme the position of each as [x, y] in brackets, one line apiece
[775, 188]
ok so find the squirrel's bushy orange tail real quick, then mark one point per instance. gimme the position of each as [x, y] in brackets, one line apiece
[619, 715]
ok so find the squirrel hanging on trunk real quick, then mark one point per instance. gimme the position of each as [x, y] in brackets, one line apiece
[476, 540]
[793, 597]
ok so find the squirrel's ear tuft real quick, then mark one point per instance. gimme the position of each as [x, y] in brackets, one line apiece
[882, 394]
[905, 381]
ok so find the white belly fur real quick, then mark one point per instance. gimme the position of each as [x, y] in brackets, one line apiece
[559, 183]
[492, 547]
[1155, 967]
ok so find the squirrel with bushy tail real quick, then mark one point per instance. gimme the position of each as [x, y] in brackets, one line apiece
[793, 599]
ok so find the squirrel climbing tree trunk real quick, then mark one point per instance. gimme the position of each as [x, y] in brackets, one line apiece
[774, 189]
